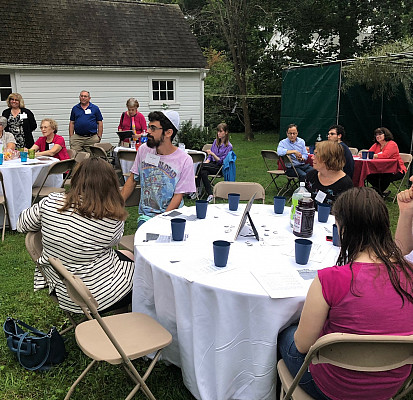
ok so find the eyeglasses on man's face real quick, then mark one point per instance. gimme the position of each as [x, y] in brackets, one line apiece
[153, 128]
[331, 133]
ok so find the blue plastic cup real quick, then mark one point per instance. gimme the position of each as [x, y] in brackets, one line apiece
[371, 155]
[221, 251]
[323, 212]
[279, 203]
[336, 237]
[23, 156]
[364, 155]
[233, 201]
[201, 208]
[302, 250]
[1, 158]
[178, 229]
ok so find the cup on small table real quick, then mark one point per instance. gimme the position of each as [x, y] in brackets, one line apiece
[371, 155]
[31, 153]
[201, 208]
[23, 156]
[233, 201]
[279, 203]
[178, 229]
[364, 155]
[323, 211]
[302, 251]
[221, 251]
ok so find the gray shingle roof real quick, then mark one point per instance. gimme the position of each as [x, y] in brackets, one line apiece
[96, 33]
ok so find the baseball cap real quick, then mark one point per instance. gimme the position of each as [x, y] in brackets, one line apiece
[173, 116]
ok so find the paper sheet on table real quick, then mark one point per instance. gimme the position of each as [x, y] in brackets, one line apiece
[280, 283]
[152, 238]
[318, 253]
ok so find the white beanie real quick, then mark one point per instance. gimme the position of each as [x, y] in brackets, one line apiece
[173, 116]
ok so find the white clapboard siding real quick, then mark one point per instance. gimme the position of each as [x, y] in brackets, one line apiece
[53, 93]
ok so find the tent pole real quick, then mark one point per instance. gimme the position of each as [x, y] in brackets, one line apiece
[339, 93]
[381, 110]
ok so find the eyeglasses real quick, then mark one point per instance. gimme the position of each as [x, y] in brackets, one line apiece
[153, 128]
[331, 134]
[292, 133]
[379, 134]
[14, 100]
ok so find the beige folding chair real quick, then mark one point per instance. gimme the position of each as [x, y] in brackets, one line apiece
[106, 146]
[197, 159]
[72, 153]
[294, 181]
[245, 189]
[97, 151]
[126, 155]
[34, 247]
[272, 160]
[3, 202]
[55, 169]
[368, 353]
[354, 151]
[80, 156]
[116, 339]
[206, 147]
[407, 160]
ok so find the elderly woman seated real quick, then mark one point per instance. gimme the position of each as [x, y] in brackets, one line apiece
[327, 180]
[7, 138]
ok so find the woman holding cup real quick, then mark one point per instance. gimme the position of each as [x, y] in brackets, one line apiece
[50, 144]
[348, 298]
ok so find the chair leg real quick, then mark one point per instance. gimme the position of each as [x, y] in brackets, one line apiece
[4, 222]
[81, 376]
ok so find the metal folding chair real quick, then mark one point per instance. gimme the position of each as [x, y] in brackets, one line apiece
[407, 160]
[245, 189]
[272, 162]
[3, 203]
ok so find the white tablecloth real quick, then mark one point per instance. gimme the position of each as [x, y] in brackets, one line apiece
[19, 178]
[224, 325]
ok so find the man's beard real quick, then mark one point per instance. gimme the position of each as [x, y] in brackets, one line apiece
[152, 143]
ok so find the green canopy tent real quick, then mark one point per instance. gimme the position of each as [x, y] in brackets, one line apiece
[313, 98]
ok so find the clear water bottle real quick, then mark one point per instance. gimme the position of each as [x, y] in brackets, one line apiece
[298, 194]
[319, 138]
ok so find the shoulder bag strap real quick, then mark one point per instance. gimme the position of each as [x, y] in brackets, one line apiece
[42, 362]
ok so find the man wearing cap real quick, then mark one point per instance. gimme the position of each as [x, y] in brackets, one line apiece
[164, 171]
[86, 124]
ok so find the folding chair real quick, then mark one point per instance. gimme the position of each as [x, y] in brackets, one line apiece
[3, 202]
[206, 147]
[271, 160]
[407, 160]
[80, 156]
[197, 159]
[245, 189]
[72, 153]
[34, 247]
[116, 339]
[354, 151]
[292, 180]
[55, 169]
[98, 151]
[124, 157]
[108, 149]
[368, 353]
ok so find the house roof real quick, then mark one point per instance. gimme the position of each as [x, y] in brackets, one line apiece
[105, 33]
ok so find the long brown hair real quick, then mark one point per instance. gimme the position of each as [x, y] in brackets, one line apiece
[94, 191]
[223, 127]
[364, 224]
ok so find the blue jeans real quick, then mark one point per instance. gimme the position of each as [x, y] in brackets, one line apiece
[301, 171]
[294, 359]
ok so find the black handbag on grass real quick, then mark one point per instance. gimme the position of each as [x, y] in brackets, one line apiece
[35, 350]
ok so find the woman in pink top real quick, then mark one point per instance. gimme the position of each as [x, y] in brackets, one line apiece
[368, 292]
[50, 144]
[132, 120]
[385, 147]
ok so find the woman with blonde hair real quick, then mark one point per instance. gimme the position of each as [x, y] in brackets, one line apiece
[20, 121]
[81, 228]
[327, 180]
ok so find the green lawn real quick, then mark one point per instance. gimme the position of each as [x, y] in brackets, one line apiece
[17, 299]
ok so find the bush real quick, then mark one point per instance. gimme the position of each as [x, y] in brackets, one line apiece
[195, 136]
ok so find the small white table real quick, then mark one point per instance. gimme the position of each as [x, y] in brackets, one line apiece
[224, 324]
[19, 178]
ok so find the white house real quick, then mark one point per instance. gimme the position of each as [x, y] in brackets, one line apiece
[116, 49]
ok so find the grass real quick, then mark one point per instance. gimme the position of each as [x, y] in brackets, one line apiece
[17, 299]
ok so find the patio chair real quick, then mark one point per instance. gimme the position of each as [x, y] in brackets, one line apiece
[407, 160]
[34, 247]
[3, 203]
[245, 189]
[354, 151]
[72, 153]
[271, 160]
[368, 353]
[206, 147]
[116, 339]
[55, 169]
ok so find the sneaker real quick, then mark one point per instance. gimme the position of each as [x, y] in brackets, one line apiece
[193, 196]
[210, 198]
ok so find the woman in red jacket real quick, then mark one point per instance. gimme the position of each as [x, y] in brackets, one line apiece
[132, 120]
[385, 147]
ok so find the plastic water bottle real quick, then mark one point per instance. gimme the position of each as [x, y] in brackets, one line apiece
[1, 145]
[319, 138]
[298, 194]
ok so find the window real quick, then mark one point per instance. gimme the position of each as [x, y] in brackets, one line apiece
[5, 87]
[163, 90]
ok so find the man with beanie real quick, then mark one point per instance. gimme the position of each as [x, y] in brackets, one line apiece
[164, 171]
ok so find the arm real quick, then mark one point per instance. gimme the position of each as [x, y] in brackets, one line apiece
[29, 219]
[100, 129]
[312, 319]
[391, 150]
[282, 150]
[128, 187]
[175, 201]
[54, 150]
[304, 153]
[71, 128]
[11, 145]
[404, 236]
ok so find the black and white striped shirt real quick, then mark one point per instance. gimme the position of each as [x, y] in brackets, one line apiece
[84, 245]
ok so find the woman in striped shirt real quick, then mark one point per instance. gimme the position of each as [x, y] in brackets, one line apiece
[81, 228]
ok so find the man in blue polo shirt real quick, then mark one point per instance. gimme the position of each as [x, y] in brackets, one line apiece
[86, 124]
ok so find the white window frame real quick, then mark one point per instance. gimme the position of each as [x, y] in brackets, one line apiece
[159, 103]
[7, 87]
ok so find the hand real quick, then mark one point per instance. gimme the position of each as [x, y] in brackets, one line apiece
[375, 156]
[100, 138]
[208, 152]
[405, 200]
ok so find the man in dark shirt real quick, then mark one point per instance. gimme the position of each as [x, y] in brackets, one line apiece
[336, 133]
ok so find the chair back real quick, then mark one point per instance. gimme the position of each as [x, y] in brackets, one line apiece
[245, 189]
[34, 245]
[72, 153]
[287, 160]
[207, 147]
[407, 159]
[126, 155]
[271, 159]
[60, 167]
[81, 155]
[105, 146]
[98, 152]
[354, 151]
[197, 157]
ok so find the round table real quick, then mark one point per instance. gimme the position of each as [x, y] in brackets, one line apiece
[19, 178]
[223, 322]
